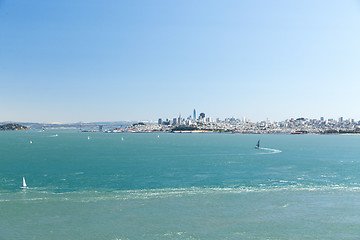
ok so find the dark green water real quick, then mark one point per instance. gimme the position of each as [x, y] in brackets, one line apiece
[178, 186]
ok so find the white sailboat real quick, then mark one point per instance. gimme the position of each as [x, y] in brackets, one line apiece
[88, 138]
[24, 186]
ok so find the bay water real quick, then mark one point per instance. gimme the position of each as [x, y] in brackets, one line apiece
[178, 186]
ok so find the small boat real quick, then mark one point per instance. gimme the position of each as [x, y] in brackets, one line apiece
[24, 186]
[158, 136]
[30, 142]
[88, 138]
[122, 139]
[257, 145]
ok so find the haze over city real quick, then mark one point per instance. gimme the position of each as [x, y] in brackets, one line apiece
[77, 61]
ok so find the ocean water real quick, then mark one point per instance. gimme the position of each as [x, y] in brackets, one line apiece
[178, 186]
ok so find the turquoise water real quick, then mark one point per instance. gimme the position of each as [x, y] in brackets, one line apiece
[178, 186]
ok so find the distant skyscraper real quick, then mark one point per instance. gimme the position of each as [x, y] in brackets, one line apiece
[194, 113]
[160, 121]
[202, 115]
[341, 119]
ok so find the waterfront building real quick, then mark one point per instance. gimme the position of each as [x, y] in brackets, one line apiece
[174, 121]
[160, 121]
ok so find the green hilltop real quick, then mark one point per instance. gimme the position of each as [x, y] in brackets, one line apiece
[13, 127]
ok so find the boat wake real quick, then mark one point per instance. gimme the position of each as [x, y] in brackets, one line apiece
[269, 151]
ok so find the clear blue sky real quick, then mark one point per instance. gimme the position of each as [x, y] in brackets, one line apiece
[69, 61]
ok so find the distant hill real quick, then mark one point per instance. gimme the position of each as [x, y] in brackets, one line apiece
[13, 127]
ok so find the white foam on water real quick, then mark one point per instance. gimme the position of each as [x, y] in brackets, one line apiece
[35, 199]
[184, 192]
[145, 194]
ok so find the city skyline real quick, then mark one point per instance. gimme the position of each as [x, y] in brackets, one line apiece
[89, 61]
[201, 116]
[208, 118]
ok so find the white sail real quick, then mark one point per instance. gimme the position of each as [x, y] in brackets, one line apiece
[24, 183]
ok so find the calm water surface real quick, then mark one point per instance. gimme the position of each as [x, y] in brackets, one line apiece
[178, 186]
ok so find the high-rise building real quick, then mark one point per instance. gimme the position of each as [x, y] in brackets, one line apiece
[341, 119]
[160, 121]
[194, 113]
[202, 116]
